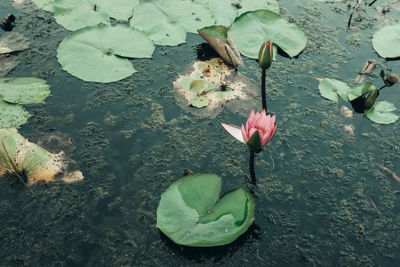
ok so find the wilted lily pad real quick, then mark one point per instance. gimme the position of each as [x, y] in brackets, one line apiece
[386, 41]
[213, 84]
[382, 113]
[17, 91]
[100, 53]
[167, 21]
[7, 63]
[28, 160]
[11, 42]
[192, 212]
[360, 90]
[253, 28]
[220, 39]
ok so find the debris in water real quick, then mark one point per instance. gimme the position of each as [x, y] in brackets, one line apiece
[348, 113]
[8, 23]
[392, 174]
[349, 129]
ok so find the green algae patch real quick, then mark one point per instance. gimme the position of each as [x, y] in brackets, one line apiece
[15, 92]
[191, 211]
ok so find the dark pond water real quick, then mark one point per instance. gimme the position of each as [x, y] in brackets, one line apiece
[317, 187]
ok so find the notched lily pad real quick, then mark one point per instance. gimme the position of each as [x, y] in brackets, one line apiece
[211, 85]
[15, 92]
[251, 29]
[12, 42]
[192, 212]
[386, 41]
[31, 162]
[382, 112]
[100, 53]
[331, 89]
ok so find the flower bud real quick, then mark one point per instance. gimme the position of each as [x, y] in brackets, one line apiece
[265, 55]
[370, 100]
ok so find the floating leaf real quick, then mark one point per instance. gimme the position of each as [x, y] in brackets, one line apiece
[386, 41]
[99, 53]
[199, 101]
[192, 212]
[167, 21]
[11, 42]
[382, 113]
[225, 11]
[331, 88]
[21, 157]
[253, 28]
[15, 91]
[220, 39]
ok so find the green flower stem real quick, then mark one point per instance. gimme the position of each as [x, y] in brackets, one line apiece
[263, 93]
[251, 163]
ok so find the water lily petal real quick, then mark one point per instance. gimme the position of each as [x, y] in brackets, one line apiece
[234, 130]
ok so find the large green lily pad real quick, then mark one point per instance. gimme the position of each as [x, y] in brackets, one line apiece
[386, 41]
[167, 21]
[251, 29]
[192, 212]
[100, 53]
[17, 91]
[382, 112]
[77, 14]
[225, 11]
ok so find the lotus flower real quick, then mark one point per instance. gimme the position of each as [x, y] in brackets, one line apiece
[259, 130]
[265, 55]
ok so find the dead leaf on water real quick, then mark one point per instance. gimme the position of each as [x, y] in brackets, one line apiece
[7, 64]
[11, 42]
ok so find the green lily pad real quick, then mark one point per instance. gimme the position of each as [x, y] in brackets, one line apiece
[99, 53]
[16, 91]
[192, 212]
[331, 88]
[167, 21]
[225, 11]
[382, 113]
[77, 14]
[253, 28]
[360, 90]
[198, 101]
[386, 41]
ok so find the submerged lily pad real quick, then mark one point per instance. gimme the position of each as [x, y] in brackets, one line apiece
[16, 91]
[11, 42]
[253, 28]
[167, 21]
[386, 41]
[28, 160]
[192, 212]
[213, 84]
[382, 112]
[99, 53]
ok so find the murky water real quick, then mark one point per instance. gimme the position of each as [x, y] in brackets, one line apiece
[317, 187]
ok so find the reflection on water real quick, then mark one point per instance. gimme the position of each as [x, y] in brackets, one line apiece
[321, 198]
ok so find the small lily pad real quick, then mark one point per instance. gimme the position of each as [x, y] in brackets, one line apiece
[386, 41]
[360, 90]
[253, 28]
[192, 212]
[100, 53]
[17, 91]
[382, 112]
[331, 88]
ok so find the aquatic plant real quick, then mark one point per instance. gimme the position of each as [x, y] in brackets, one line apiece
[265, 56]
[259, 130]
[192, 212]
[386, 41]
[15, 92]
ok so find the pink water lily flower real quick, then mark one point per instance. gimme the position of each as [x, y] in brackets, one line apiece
[257, 122]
